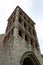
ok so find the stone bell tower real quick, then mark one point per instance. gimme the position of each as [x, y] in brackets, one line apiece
[20, 43]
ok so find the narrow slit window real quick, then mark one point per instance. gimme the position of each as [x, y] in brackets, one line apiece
[20, 20]
[24, 17]
[25, 25]
[34, 33]
[29, 29]
[20, 13]
[32, 25]
[20, 33]
[26, 37]
[13, 19]
[31, 42]
[28, 21]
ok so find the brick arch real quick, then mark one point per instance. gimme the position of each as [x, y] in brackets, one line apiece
[29, 57]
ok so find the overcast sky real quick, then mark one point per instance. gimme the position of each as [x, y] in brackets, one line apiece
[34, 9]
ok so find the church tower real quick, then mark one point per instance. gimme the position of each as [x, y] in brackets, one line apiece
[20, 43]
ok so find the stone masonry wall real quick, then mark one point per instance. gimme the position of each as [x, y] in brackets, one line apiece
[13, 51]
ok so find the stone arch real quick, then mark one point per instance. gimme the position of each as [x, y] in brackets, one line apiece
[29, 58]
[28, 61]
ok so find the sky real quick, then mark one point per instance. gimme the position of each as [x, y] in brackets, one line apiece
[33, 8]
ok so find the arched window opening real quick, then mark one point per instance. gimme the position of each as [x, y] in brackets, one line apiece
[27, 61]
